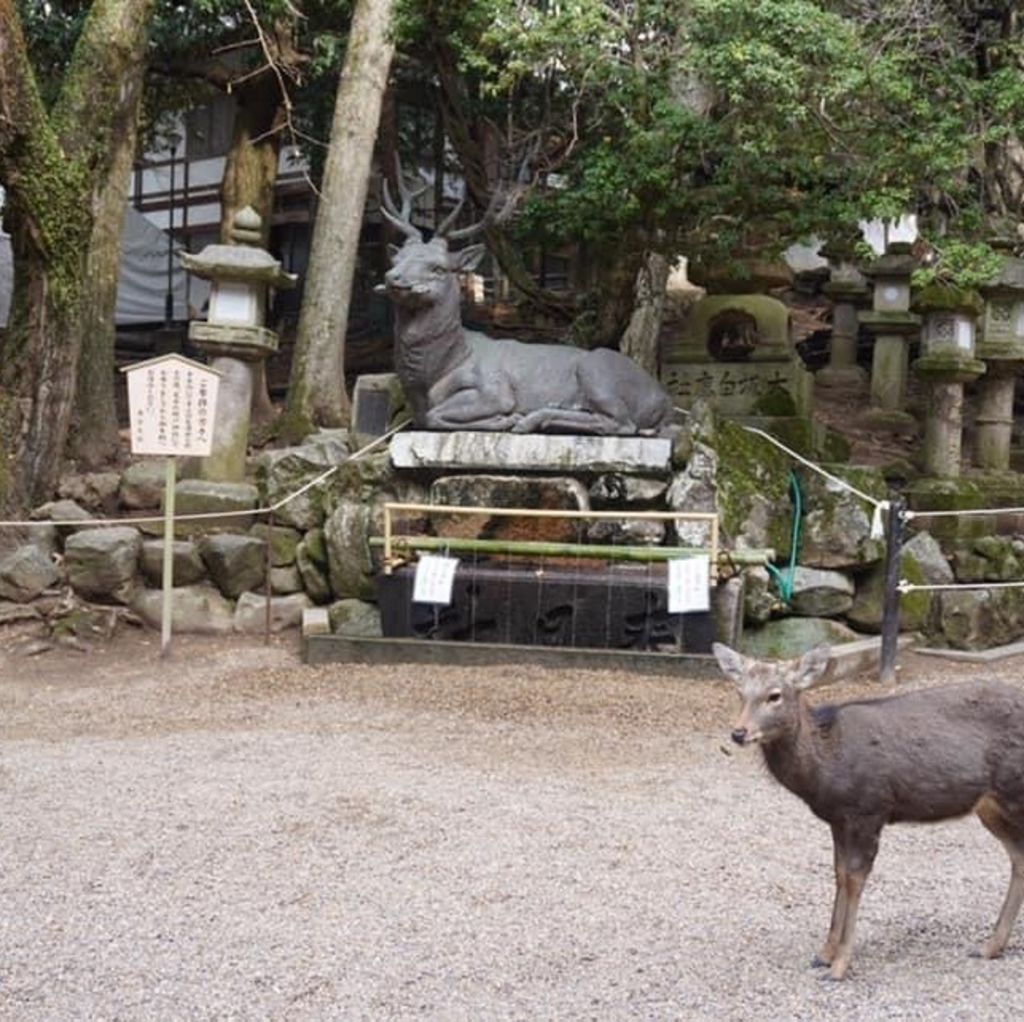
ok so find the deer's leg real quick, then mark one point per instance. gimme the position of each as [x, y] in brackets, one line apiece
[1012, 838]
[472, 407]
[579, 420]
[858, 848]
[835, 930]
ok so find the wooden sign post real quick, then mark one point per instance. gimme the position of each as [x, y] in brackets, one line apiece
[171, 403]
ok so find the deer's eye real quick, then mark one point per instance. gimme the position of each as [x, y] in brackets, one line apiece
[774, 697]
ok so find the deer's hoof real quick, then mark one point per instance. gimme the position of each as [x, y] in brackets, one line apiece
[820, 962]
[988, 950]
[837, 973]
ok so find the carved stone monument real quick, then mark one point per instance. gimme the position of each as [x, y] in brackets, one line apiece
[736, 353]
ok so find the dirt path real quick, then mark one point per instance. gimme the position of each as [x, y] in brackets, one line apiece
[233, 835]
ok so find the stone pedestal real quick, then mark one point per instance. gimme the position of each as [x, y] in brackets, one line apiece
[943, 430]
[842, 369]
[893, 325]
[947, 363]
[994, 417]
[234, 352]
[1001, 347]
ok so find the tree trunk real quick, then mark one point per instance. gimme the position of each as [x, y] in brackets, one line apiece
[94, 436]
[53, 167]
[250, 175]
[640, 341]
[316, 394]
[250, 171]
[612, 297]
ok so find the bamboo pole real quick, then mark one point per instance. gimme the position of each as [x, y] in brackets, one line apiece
[540, 548]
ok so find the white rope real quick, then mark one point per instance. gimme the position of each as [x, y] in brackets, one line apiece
[912, 587]
[89, 523]
[971, 511]
[875, 501]
[880, 505]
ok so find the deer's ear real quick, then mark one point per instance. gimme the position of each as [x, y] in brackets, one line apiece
[732, 663]
[467, 258]
[811, 666]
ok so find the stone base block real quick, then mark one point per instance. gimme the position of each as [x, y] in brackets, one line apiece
[886, 420]
[846, 378]
[202, 496]
[531, 452]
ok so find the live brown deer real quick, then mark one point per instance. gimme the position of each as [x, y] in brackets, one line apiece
[917, 757]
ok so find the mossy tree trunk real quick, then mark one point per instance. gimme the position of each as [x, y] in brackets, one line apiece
[250, 175]
[94, 437]
[54, 165]
[316, 393]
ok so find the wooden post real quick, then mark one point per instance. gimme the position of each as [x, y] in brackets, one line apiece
[167, 580]
[891, 598]
[266, 578]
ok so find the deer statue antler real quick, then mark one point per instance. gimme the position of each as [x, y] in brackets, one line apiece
[502, 205]
[402, 218]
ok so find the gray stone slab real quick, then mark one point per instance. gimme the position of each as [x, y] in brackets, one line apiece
[531, 452]
[324, 649]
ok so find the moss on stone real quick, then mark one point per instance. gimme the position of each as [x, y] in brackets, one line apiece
[753, 483]
[775, 401]
[945, 297]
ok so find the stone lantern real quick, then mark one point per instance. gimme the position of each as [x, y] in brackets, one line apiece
[948, 361]
[1001, 347]
[234, 335]
[893, 325]
[847, 288]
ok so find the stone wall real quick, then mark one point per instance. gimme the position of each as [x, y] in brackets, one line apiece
[77, 580]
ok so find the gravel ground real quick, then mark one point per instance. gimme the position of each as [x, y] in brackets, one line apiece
[233, 835]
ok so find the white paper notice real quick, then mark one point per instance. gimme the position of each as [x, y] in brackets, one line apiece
[689, 584]
[434, 579]
[171, 402]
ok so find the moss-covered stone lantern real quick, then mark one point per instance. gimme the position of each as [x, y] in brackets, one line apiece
[234, 335]
[1001, 347]
[948, 361]
[894, 326]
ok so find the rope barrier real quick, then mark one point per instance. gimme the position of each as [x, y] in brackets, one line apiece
[913, 587]
[202, 515]
[971, 511]
[880, 505]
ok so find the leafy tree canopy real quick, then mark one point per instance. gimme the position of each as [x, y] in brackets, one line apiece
[714, 127]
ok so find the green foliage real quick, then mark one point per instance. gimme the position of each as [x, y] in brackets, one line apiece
[723, 127]
[958, 266]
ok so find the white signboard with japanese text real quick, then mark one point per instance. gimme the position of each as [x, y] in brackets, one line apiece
[171, 401]
[689, 585]
[434, 578]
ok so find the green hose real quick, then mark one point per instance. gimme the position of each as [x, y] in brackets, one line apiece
[784, 578]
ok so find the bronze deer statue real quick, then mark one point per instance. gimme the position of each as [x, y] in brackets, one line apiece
[460, 379]
[917, 757]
